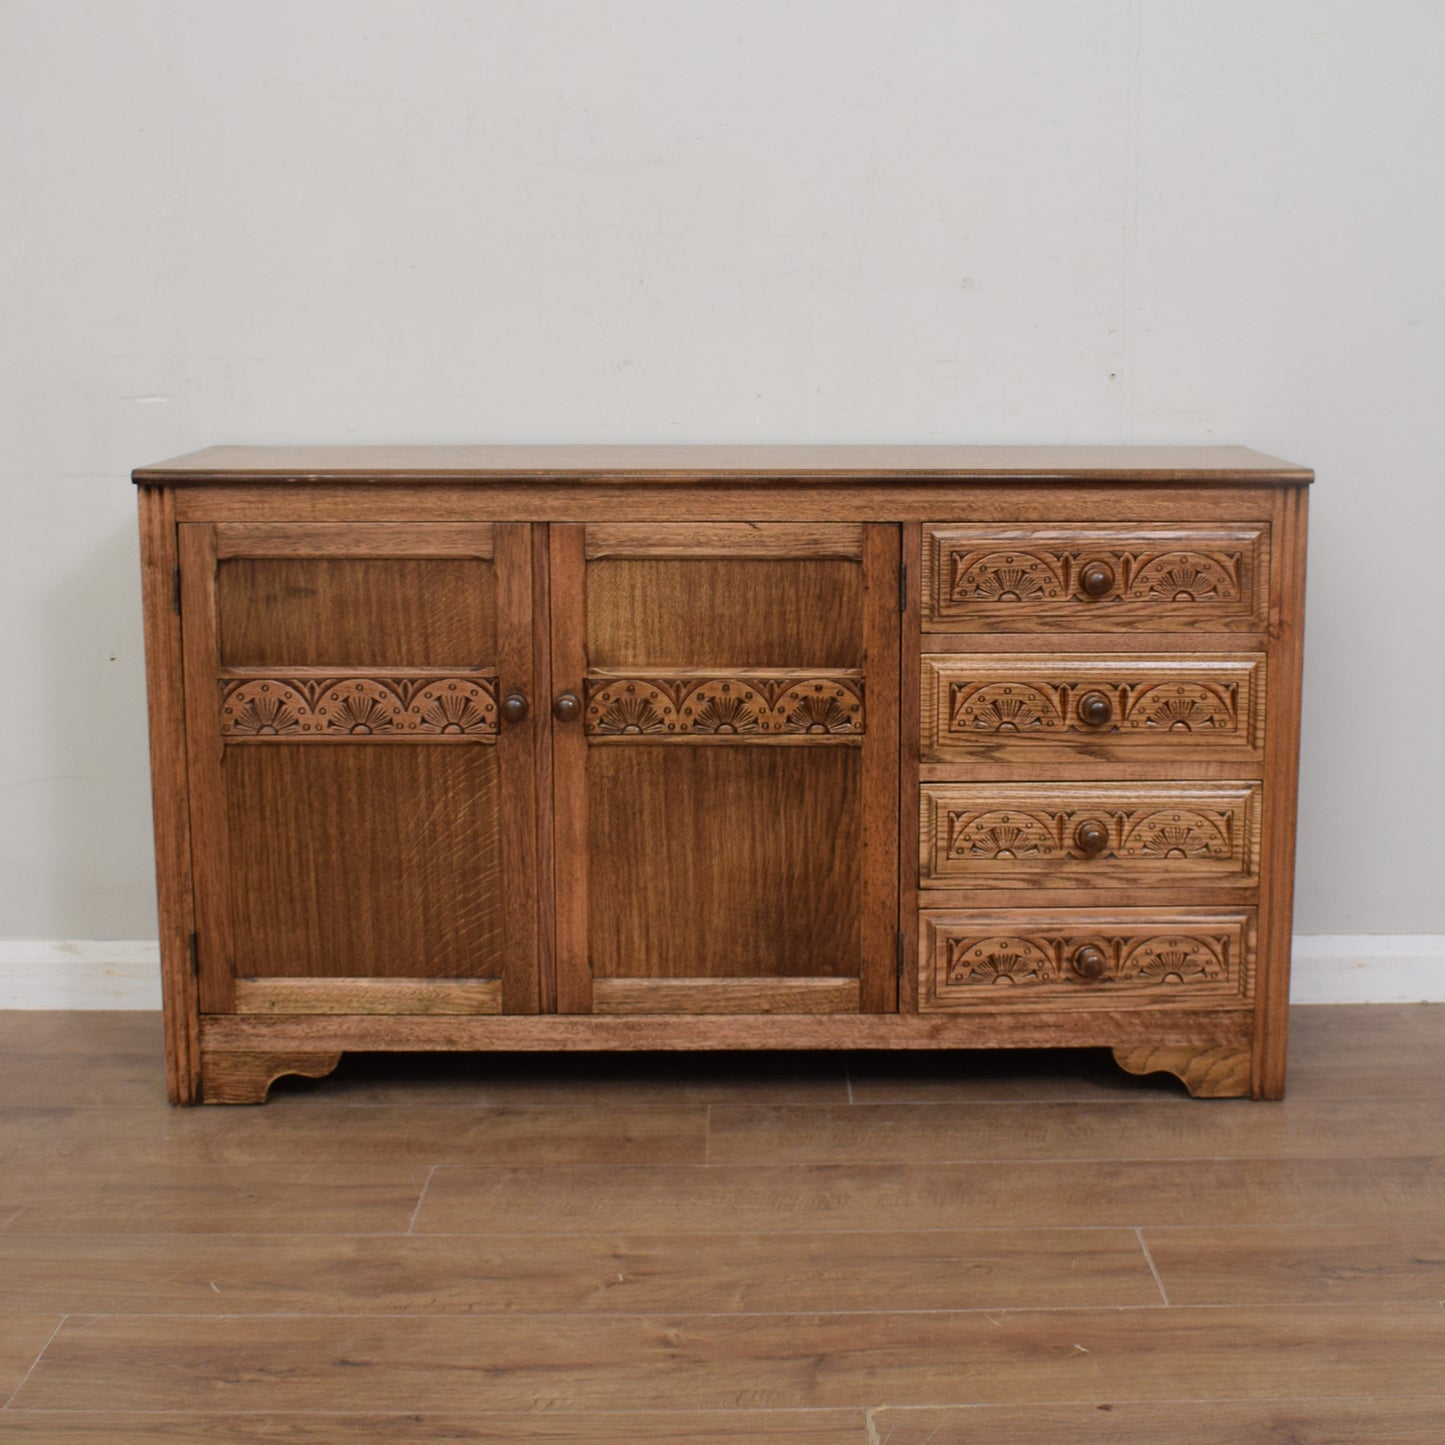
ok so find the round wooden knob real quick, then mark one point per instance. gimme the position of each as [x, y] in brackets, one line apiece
[567, 708]
[1091, 836]
[514, 707]
[1095, 709]
[1096, 579]
[1089, 961]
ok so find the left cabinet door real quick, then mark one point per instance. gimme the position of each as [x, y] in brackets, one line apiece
[361, 739]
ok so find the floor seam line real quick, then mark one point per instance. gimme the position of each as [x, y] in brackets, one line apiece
[10, 1400]
[1153, 1268]
[426, 1184]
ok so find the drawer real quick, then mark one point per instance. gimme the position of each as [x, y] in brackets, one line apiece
[1089, 835]
[1095, 578]
[1082, 958]
[1099, 707]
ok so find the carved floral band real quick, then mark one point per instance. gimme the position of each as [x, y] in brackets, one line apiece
[740, 704]
[331, 707]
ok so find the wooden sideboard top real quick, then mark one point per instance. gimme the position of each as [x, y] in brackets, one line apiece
[684, 464]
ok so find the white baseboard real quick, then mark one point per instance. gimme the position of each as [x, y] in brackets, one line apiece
[57, 973]
[1368, 968]
[1328, 968]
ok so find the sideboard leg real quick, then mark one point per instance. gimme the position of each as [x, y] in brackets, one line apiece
[1210, 1071]
[229, 1077]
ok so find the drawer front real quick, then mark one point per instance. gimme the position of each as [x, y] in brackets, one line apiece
[1082, 958]
[1091, 708]
[1095, 578]
[1089, 835]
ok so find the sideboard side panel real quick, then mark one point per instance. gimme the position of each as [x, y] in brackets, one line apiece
[1281, 770]
[170, 810]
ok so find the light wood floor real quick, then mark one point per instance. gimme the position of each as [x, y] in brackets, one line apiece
[1018, 1248]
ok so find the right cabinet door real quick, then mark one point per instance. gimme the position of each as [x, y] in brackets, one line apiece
[725, 751]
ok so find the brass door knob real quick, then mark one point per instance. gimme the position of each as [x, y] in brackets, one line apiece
[514, 707]
[567, 708]
[1096, 579]
[1095, 709]
[1091, 836]
[1089, 961]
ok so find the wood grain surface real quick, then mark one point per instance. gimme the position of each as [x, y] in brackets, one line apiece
[622, 1427]
[619, 1362]
[356, 611]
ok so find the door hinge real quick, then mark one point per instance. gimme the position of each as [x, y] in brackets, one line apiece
[903, 586]
[195, 954]
[176, 589]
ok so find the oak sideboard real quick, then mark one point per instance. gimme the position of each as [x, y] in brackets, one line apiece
[869, 747]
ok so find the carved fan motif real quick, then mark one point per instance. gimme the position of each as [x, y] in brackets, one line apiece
[260, 709]
[820, 709]
[455, 707]
[1178, 834]
[1005, 577]
[999, 835]
[629, 707]
[1181, 707]
[722, 710]
[359, 705]
[1182, 959]
[999, 961]
[1002, 707]
[1187, 577]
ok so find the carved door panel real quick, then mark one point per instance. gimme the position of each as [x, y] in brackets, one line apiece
[361, 781]
[726, 760]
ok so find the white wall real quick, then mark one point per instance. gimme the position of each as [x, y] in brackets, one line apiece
[718, 220]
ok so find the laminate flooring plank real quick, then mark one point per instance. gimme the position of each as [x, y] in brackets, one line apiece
[942, 1133]
[820, 1197]
[588, 1363]
[496, 1273]
[80, 1033]
[211, 1199]
[1218, 1422]
[667, 1427]
[392, 1136]
[1272, 1266]
[1366, 1051]
[53, 1058]
[22, 1337]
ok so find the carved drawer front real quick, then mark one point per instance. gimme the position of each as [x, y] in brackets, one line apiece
[1091, 707]
[1095, 578]
[1083, 958]
[1089, 835]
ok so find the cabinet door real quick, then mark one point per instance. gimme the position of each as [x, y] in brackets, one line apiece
[362, 799]
[725, 753]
